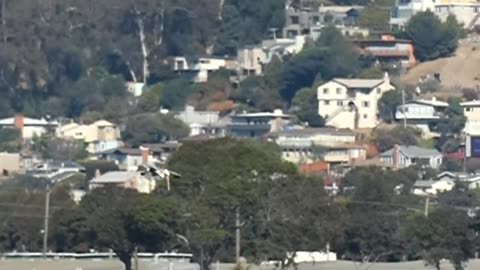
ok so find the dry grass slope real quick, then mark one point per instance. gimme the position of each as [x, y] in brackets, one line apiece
[459, 71]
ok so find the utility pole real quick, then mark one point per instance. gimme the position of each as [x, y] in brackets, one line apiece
[135, 256]
[403, 109]
[427, 205]
[237, 235]
[45, 224]
[4, 22]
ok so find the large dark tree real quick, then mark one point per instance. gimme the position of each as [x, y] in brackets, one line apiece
[432, 38]
[219, 178]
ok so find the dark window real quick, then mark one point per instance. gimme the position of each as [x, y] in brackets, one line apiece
[294, 20]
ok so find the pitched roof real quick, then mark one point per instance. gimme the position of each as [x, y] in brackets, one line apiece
[359, 83]
[103, 123]
[113, 177]
[432, 102]
[424, 183]
[313, 131]
[472, 103]
[28, 121]
[413, 151]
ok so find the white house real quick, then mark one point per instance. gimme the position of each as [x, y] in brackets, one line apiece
[471, 109]
[470, 180]
[28, 127]
[129, 180]
[422, 114]
[202, 122]
[351, 103]
[402, 156]
[309, 136]
[202, 67]
[432, 187]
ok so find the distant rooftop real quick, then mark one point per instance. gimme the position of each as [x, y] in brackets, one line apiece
[359, 83]
[413, 151]
[275, 114]
[472, 103]
[433, 102]
[313, 131]
[113, 177]
[28, 122]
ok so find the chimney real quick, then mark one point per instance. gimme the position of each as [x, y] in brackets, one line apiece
[19, 122]
[145, 154]
[97, 173]
[395, 157]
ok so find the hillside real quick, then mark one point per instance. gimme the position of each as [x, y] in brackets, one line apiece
[458, 70]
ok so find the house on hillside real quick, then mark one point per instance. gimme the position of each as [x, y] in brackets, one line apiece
[351, 103]
[466, 11]
[255, 125]
[432, 187]
[56, 170]
[128, 180]
[423, 114]
[403, 156]
[471, 109]
[99, 136]
[29, 127]
[309, 136]
[199, 69]
[10, 163]
[389, 51]
[302, 15]
[303, 146]
[469, 180]
[127, 159]
[202, 122]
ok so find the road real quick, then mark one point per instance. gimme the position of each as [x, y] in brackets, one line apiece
[66, 264]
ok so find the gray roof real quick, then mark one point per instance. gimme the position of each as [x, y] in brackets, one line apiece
[58, 164]
[424, 183]
[124, 151]
[113, 177]
[313, 131]
[359, 83]
[413, 151]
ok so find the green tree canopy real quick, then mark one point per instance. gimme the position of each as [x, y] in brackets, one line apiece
[432, 38]
[153, 128]
[306, 104]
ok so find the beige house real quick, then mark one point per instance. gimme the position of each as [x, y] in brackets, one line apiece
[99, 131]
[10, 163]
[100, 136]
[352, 103]
[250, 61]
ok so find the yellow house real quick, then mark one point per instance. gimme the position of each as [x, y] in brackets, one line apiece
[100, 136]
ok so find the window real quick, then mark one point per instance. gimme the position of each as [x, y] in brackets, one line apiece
[339, 90]
[325, 90]
[365, 116]
[379, 91]
[294, 20]
[326, 102]
[316, 19]
[366, 104]
[468, 109]
[340, 103]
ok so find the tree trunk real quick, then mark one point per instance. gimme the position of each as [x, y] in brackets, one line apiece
[143, 43]
[127, 261]
[4, 21]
